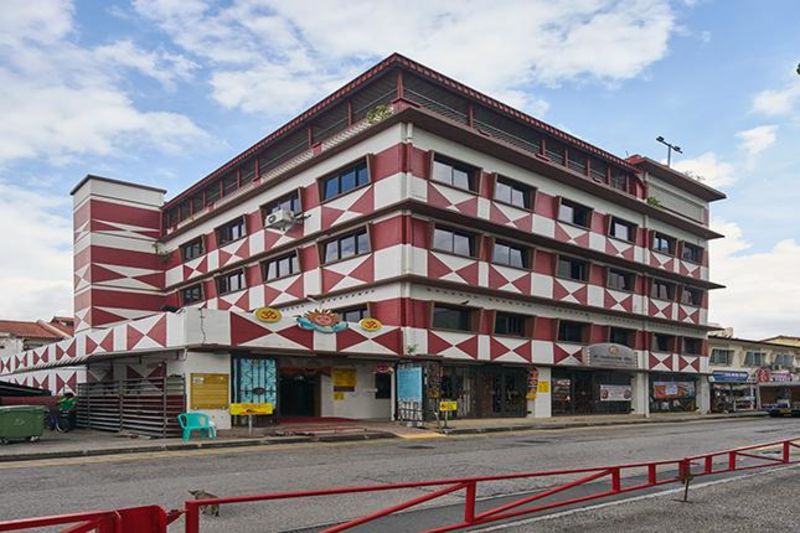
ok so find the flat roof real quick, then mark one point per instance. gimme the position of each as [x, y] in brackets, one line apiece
[679, 179]
[115, 181]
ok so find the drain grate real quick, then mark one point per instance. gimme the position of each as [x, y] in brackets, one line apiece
[419, 447]
[533, 441]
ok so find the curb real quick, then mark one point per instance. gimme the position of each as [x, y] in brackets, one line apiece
[568, 425]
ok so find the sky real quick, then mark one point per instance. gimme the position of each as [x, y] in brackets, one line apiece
[162, 92]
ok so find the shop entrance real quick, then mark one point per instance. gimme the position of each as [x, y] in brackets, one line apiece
[504, 392]
[584, 392]
[298, 393]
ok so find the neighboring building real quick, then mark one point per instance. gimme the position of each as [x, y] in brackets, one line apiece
[18, 336]
[514, 268]
[750, 374]
[784, 339]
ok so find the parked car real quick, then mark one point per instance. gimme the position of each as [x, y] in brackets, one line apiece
[784, 408]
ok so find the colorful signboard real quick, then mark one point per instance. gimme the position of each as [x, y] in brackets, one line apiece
[670, 390]
[370, 324]
[322, 320]
[616, 393]
[409, 384]
[729, 376]
[448, 406]
[251, 408]
[208, 391]
[344, 379]
[270, 315]
[533, 383]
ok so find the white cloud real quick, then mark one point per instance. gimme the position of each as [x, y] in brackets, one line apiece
[498, 47]
[777, 101]
[756, 140]
[35, 281]
[708, 169]
[761, 294]
[59, 99]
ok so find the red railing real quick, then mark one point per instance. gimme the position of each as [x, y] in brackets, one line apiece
[598, 482]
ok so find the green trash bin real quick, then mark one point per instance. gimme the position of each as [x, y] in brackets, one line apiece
[21, 422]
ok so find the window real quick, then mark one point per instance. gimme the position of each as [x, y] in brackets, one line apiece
[353, 314]
[383, 386]
[572, 331]
[663, 343]
[192, 249]
[452, 317]
[662, 290]
[513, 192]
[577, 161]
[453, 173]
[784, 360]
[454, 242]
[574, 213]
[229, 184]
[619, 180]
[692, 346]
[620, 280]
[721, 357]
[231, 231]
[598, 170]
[509, 255]
[290, 202]
[212, 193]
[554, 151]
[509, 324]
[621, 336]
[572, 269]
[345, 180]
[691, 296]
[663, 244]
[691, 253]
[346, 246]
[281, 266]
[192, 294]
[622, 230]
[231, 282]
[754, 359]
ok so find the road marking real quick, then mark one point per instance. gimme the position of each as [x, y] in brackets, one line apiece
[595, 507]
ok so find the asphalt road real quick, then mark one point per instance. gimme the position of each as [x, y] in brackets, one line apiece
[69, 485]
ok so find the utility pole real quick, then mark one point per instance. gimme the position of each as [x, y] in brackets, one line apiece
[671, 147]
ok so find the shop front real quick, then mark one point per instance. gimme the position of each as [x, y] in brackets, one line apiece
[673, 393]
[732, 391]
[586, 392]
[779, 388]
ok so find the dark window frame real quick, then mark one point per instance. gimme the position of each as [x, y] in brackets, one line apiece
[471, 237]
[527, 260]
[276, 260]
[716, 360]
[473, 173]
[272, 206]
[621, 221]
[472, 314]
[671, 243]
[585, 326]
[528, 192]
[226, 276]
[691, 301]
[338, 176]
[323, 246]
[522, 320]
[685, 347]
[630, 341]
[191, 244]
[671, 288]
[200, 298]
[625, 273]
[655, 346]
[362, 309]
[576, 207]
[221, 230]
[586, 270]
[689, 246]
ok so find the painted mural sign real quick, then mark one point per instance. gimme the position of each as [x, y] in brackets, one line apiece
[270, 315]
[409, 384]
[322, 320]
[670, 390]
[533, 383]
[616, 393]
[370, 324]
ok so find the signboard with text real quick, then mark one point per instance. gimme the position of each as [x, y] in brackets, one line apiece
[616, 393]
[610, 355]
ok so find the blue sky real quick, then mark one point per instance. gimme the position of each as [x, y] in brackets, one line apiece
[164, 91]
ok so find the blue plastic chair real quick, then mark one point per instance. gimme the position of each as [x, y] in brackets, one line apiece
[196, 422]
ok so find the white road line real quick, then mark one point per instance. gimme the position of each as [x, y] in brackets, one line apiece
[629, 500]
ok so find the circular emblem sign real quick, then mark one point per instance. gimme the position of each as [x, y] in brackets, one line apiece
[370, 324]
[269, 315]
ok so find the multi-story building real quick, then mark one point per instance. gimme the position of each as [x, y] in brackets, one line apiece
[750, 374]
[507, 265]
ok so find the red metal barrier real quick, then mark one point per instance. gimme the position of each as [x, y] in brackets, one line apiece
[147, 519]
[615, 475]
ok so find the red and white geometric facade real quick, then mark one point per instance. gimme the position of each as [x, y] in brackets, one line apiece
[128, 261]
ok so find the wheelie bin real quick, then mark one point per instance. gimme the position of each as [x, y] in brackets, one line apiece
[21, 422]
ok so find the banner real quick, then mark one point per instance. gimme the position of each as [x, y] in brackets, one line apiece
[669, 390]
[616, 393]
[344, 379]
[409, 384]
[533, 383]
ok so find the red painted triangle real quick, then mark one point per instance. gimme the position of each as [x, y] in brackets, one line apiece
[72, 381]
[330, 279]
[330, 215]
[270, 238]
[525, 350]
[437, 199]
[437, 344]
[187, 272]
[469, 273]
[243, 250]
[496, 215]
[524, 223]
[244, 330]
[347, 338]
[158, 332]
[224, 257]
[582, 294]
[496, 279]
[107, 344]
[134, 336]
[132, 373]
[202, 266]
[523, 283]
[296, 334]
[496, 348]
[393, 340]
[682, 363]
[469, 346]
[582, 240]
[59, 384]
[696, 363]
[561, 235]
[468, 207]
[365, 204]
[70, 351]
[97, 273]
[437, 268]
[559, 354]
[365, 271]
[559, 292]
[155, 279]
[296, 288]
[243, 302]
[270, 294]
[91, 346]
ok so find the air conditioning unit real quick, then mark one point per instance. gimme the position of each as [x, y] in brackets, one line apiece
[281, 219]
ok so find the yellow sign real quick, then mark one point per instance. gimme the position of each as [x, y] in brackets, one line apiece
[448, 406]
[338, 396]
[270, 315]
[544, 386]
[344, 379]
[251, 409]
[370, 324]
[209, 391]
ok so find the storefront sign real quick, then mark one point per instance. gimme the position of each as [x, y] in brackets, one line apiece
[251, 409]
[370, 324]
[209, 391]
[543, 387]
[609, 355]
[533, 383]
[383, 368]
[409, 384]
[728, 376]
[781, 376]
[762, 375]
[322, 320]
[669, 390]
[616, 393]
[344, 379]
[448, 406]
[270, 315]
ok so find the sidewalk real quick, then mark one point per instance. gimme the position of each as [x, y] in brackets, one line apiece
[489, 425]
[85, 442]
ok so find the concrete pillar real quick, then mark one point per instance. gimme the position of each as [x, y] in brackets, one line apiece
[703, 395]
[640, 403]
[541, 407]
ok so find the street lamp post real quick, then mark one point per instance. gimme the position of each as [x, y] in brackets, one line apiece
[670, 148]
